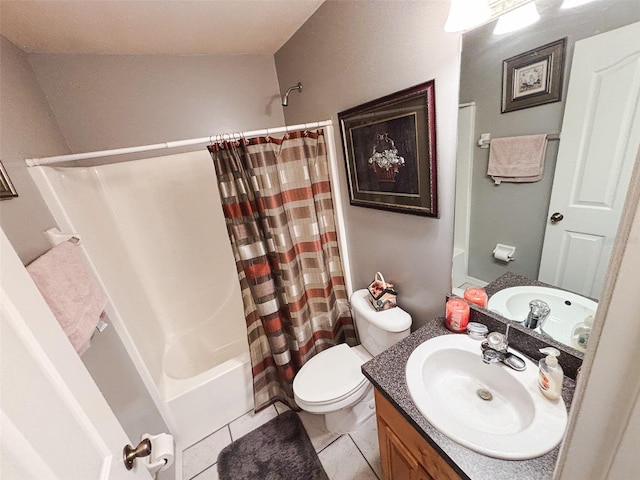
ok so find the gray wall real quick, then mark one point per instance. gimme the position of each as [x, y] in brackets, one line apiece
[110, 101]
[29, 129]
[516, 214]
[100, 102]
[351, 52]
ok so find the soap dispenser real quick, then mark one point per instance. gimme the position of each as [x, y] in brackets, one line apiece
[551, 375]
[580, 334]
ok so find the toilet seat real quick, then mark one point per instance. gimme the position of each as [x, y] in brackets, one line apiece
[332, 379]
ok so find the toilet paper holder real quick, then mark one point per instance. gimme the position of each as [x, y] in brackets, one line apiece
[504, 253]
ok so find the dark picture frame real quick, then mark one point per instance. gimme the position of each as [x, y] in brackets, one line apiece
[7, 190]
[389, 147]
[533, 78]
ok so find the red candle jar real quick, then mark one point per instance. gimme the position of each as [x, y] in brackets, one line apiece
[457, 315]
[476, 295]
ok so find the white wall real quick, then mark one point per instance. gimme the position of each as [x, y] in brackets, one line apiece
[111, 101]
[351, 52]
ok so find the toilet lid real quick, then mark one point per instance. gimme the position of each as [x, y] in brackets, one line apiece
[329, 376]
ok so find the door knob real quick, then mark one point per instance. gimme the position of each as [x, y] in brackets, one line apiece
[556, 217]
[130, 454]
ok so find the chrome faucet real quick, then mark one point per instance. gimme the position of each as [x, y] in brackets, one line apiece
[495, 349]
[538, 313]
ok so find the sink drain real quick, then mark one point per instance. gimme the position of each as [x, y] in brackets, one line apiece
[485, 394]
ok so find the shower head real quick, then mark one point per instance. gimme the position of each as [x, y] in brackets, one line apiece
[285, 99]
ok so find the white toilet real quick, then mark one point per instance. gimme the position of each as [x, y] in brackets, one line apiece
[332, 384]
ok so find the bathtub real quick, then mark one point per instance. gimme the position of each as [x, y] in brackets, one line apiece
[154, 233]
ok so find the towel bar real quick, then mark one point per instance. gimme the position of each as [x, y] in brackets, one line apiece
[56, 237]
[485, 139]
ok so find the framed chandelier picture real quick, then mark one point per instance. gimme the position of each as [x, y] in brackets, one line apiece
[389, 147]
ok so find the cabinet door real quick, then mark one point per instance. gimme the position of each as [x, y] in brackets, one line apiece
[398, 463]
[404, 454]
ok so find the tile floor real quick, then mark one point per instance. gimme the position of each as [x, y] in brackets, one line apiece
[344, 457]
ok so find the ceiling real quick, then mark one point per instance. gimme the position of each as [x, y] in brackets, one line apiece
[175, 27]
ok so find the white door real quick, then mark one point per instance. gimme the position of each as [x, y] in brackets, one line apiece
[55, 423]
[600, 138]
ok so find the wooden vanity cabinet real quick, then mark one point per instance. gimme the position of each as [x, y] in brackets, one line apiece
[404, 454]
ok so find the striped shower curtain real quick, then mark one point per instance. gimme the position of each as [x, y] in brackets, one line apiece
[276, 198]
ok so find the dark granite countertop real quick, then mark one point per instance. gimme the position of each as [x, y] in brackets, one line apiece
[387, 373]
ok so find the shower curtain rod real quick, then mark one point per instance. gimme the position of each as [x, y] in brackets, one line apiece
[34, 162]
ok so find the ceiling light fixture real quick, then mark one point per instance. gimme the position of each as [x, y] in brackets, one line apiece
[466, 14]
[516, 19]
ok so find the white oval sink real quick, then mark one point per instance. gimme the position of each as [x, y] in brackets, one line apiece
[446, 379]
[567, 309]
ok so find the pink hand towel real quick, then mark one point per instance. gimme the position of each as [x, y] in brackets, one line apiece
[517, 159]
[71, 292]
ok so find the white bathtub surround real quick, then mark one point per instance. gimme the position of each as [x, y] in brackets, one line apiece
[344, 457]
[154, 234]
[280, 217]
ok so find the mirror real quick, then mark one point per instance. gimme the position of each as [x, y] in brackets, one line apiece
[517, 214]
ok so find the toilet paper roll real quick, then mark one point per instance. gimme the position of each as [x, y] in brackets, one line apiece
[504, 253]
[162, 451]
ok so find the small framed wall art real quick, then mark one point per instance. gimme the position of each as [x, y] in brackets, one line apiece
[533, 78]
[389, 147]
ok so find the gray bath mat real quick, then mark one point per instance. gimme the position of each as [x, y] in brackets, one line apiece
[278, 450]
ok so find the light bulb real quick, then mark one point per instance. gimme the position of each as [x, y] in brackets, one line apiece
[466, 14]
[516, 19]
[573, 3]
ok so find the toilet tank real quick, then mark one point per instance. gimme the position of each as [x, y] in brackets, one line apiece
[378, 330]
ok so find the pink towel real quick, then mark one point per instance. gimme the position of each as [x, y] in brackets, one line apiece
[71, 292]
[517, 159]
